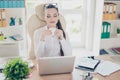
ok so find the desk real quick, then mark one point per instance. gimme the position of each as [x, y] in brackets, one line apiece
[75, 75]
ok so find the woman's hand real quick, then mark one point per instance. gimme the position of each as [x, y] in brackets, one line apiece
[59, 34]
[44, 34]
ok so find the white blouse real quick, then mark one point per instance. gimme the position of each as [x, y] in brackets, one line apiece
[51, 46]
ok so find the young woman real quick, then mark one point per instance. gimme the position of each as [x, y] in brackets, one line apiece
[51, 40]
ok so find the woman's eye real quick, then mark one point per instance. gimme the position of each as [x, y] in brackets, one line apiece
[48, 16]
[55, 16]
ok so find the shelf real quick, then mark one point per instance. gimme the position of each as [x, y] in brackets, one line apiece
[112, 38]
[112, 20]
[11, 27]
[110, 43]
[112, 0]
[10, 41]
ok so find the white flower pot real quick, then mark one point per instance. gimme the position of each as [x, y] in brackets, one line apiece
[118, 35]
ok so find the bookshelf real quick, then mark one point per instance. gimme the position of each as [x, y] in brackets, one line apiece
[114, 19]
[13, 9]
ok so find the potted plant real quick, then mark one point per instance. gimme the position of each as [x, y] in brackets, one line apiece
[118, 32]
[16, 69]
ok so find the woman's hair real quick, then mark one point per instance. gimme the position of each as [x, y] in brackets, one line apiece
[59, 26]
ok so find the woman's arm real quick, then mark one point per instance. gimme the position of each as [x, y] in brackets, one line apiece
[38, 45]
[66, 47]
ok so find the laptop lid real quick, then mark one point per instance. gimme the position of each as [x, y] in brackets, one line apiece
[54, 65]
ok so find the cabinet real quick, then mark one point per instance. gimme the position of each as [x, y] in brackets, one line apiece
[10, 47]
[113, 17]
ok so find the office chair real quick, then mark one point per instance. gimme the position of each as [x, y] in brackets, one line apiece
[37, 21]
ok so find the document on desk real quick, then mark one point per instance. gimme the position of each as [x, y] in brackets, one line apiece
[106, 68]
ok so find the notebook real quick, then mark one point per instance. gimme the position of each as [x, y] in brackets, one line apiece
[88, 64]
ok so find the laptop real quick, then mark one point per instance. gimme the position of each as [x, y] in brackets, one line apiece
[56, 65]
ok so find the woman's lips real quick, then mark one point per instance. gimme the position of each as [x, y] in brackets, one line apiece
[52, 21]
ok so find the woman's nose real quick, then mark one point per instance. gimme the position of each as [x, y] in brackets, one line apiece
[52, 18]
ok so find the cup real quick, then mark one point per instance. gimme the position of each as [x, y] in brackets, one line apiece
[52, 30]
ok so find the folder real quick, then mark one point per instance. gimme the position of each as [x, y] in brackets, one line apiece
[6, 4]
[14, 3]
[10, 3]
[104, 11]
[2, 4]
[110, 12]
[22, 2]
[114, 11]
[0, 22]
[0, 13]
[4, 23]
[18, 3]
[88, 64]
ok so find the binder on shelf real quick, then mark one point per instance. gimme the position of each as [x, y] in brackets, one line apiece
[18, 3]
[6, 4]
[104, 12]
[22, 3]
[114, 11]
[105, 30]
[0, 17]
[110, 12]
[107, 11]
[0, 22]
[0, 13]
[14, 3]
[2, 4]
[10, 4]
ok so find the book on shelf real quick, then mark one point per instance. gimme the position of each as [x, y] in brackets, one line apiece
[117, 50]
[103, 51]
[111, 51]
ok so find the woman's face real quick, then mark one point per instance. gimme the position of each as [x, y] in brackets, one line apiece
[51, 17]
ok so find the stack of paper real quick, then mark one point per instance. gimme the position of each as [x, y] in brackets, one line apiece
[106, 68]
